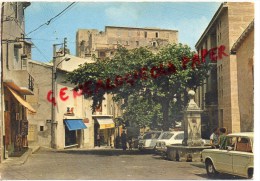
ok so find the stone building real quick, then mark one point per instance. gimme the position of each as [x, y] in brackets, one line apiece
[219, 95]
[104, 44]
[243, 48]
[17, 82]
[73, 124]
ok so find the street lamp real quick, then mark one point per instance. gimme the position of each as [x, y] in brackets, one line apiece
[53, 113]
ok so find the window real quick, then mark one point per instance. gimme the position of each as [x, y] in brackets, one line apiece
[157, 35]
[137, 43]
[154, 44]
[151, 135]
[243, 144]
[16, 54]
[180, 136]
[145, 34]
[102, 54]
[167, 136]
[41, 128]
[24, 62]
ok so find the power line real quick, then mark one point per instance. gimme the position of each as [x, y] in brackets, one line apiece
[41, 53]
[42, 39]
[64, 13]
[49, 21]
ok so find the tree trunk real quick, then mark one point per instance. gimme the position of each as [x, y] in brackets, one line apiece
[165, 111]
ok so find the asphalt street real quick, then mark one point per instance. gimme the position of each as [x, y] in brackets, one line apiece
[101, 164]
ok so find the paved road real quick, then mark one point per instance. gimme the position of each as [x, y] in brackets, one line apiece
[101, 164]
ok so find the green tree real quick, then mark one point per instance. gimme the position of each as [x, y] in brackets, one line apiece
[160, 77]
[143, 113]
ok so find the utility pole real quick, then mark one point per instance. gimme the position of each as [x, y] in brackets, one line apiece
[53, 113]
[54, 100]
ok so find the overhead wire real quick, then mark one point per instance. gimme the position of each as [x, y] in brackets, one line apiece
[68, 8]
[67, 11]
[41, 53]
[49, 21]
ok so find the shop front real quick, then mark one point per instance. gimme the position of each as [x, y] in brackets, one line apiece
[74, 131]
[15, 123]
[104, 126]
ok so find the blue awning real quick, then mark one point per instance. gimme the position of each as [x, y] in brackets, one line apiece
[75, 124]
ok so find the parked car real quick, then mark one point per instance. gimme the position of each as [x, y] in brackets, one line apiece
[148, 141]
[236, 159]
[169, 138]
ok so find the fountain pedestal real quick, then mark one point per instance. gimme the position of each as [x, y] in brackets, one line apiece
[192, 143]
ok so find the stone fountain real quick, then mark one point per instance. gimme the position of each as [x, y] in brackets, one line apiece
[192, 144]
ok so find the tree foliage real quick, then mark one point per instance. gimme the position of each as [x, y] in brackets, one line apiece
[160, 78]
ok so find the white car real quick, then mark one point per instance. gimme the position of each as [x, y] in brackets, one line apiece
[169, 138]
[148, 141]
[236, 159]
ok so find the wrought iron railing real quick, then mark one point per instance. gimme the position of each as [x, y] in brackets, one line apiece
[30, 82]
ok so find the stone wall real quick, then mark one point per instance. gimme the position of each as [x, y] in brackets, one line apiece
[245, 74]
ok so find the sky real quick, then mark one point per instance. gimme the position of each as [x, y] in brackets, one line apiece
[189, 18]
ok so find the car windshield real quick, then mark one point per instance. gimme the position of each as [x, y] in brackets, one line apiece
[180, 136]
[167, 136]
[151, 135]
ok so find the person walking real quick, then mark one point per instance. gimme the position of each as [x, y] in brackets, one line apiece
[123, 140]
[214, 138]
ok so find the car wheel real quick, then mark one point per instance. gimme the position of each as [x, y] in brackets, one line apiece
[211, 171]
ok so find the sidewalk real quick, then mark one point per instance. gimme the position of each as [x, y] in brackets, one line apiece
[22, 159]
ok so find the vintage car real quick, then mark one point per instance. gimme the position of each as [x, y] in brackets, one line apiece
[148, 141]
[236, 159]
[169, 138]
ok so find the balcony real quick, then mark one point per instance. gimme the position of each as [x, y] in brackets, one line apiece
[20, 81]
[211, 98]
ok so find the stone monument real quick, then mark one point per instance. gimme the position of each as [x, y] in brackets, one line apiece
[192, 123]
[192, 145]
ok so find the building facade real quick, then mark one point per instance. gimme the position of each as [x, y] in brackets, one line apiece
[243, 48]
[72, 125]
[219, 95]
[104, 44]
[17, 82]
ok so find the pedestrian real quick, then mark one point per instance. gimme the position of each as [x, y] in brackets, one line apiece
[223, 142]
[123, 140]
[130, 142]
[214, 138]
[98, 140]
